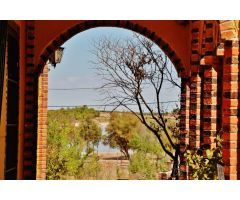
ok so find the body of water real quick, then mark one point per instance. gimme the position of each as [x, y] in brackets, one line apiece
[105, 148]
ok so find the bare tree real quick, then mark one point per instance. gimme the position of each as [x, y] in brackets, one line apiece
[128, 67]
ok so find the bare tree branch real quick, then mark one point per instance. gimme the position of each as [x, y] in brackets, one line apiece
[126, 67]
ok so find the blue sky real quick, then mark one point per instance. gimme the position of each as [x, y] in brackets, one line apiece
[76, 71]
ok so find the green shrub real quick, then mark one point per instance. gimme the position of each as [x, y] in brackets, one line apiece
[203, 163]
[142, 167]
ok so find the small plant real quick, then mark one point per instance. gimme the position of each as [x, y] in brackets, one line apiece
[142, 167]
[203, 163]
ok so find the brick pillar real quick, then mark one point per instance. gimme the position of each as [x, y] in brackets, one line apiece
[42, 124]
[209, 85]
[184, 126]
[195, 104]
[30, 116]
[209, 89]
[195, 85]
[230, 108]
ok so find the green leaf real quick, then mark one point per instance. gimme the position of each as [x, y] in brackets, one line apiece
[209, 153]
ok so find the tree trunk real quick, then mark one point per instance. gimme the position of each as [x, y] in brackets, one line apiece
[175, 171]
[126, 154]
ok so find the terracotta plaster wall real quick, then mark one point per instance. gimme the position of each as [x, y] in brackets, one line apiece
[172, 32]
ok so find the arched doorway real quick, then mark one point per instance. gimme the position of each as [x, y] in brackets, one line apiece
[207, 49]
[41, 159]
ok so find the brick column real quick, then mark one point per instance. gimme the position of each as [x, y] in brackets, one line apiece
[209, 89]
[230, 108]
[195, 106]
[42, 124]
[184, 126]
[209, 85]
[195, 85]
[30, 117]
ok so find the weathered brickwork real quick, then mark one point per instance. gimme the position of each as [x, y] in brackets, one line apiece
[209, 84]
[213, 92]
[195, 84]
[184, 125]
[230, 108]
[42, 124]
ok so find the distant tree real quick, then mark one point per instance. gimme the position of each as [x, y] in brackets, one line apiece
[68, 152]
[84, 112]
[130, 66]
[64, 150]
[90, 131]
[121, 129]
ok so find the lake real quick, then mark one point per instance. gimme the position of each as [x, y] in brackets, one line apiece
[101, 147]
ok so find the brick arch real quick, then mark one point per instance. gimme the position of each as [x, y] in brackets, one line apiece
[43, 80]
[83, 26]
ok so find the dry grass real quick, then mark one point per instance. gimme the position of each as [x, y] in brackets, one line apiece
[113, 166]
